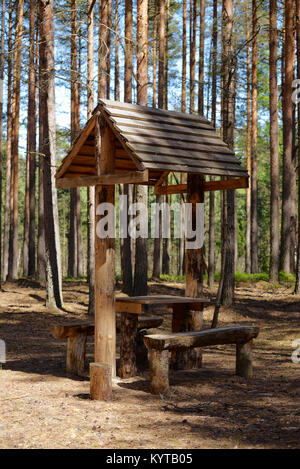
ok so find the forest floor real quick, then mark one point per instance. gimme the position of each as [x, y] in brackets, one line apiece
[40, 407]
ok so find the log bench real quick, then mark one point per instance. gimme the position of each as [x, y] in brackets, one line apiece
[160, 345]
[77, 337]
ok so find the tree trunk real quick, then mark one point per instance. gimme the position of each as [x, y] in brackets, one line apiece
[254, 222]
[1, 124]
[126, 252]
[201, 59]
[248, 152]
[193, 23]
[211, 228]
[47, 121]
[102, 52]
[75, 248]
[274, 146]
[13, 238]
[141, 261]
[29, 221]
[91, 190]
[8, 149]
[287, 118]
[297, 286]
[228, 136]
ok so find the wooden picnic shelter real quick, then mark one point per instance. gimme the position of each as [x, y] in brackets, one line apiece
[125, 143]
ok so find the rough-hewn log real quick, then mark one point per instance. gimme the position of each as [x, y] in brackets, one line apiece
[101, 379]
[142, 363]
[131, 177]
[219, 336]
[244, 365]
[63, 331]
[105, 314]
[159, 371]
[76, 354]
[129, 325]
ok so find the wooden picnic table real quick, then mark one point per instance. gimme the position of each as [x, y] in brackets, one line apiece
[184, 310]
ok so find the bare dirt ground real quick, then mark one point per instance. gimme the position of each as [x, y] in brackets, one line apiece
[40, 407]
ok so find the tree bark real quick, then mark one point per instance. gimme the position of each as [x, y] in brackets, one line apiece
[141, 261]
[8, 147]
[1, 124]
[297, 285]
[248, 152]
[274, 146]
[91, 190]
[287, 118]
[201, 59]
[126, 251]
[254, 222]
[228, 137]
[47, 121]
[13, 238]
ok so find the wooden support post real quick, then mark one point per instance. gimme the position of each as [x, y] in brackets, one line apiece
[105, 315]
[141, 352]
[100, 376]
[159, 371]
[244, 359]
[194, 282]
[76, 354]
[128, 336]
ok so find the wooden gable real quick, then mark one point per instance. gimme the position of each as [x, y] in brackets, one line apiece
[149, 144]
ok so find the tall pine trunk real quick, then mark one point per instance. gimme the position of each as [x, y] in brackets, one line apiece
[141, 261]
[126, 251]
[254, 221]
[29, 221]
[48, 147]
[90, 190]
[248, 151]
[211, 228]
[274, 146]
[287, 117]
[227, 282]
[1, 124]
[13, 236]
[75, 248]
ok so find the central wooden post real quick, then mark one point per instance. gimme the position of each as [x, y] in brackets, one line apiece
[194, 280]
[104, 368]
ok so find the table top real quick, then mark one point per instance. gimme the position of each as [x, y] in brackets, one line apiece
[161, 299]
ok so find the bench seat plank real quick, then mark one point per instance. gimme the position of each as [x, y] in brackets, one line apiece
[64, 331]
[220, 336]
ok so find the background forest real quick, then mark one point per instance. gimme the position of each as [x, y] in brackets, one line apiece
[96, 48]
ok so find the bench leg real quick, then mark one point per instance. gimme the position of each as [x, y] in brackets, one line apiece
[244, 359]
[76, 354]
[141, 352]
[159, 371]
[128, 335]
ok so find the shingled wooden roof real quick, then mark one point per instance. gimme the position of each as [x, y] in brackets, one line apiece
[153, 139]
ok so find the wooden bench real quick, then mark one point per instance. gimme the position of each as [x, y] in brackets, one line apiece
[77, 337]
[160, 345]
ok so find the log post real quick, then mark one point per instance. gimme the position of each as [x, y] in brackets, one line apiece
[244, 359]
[76, 354]
[194, 280]
[105, 315]
[101, 378]
[141, 352]
[159, 371]
[128, 336]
